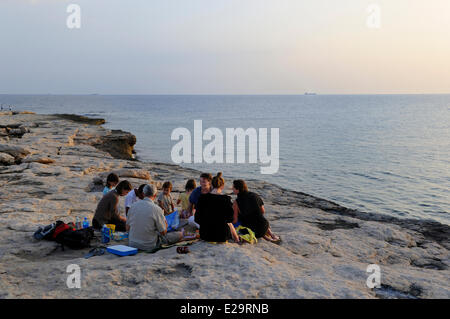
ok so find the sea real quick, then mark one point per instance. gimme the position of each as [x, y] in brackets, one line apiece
[387, 154]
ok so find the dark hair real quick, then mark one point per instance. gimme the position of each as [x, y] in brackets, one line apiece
[123, 186]
[112, 178]
[207, 176]
[240, 185]
[141, 188]
[167, 185]
[218, 180]
[190, 185]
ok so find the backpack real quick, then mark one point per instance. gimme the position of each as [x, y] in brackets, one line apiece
[75, 239]
[66, 235]
[45, 232]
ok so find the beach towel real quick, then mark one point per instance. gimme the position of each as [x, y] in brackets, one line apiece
[173, 221]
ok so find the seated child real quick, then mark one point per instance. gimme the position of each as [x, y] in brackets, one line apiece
[133, 196]
[111, 181]
[165, 200]
[184, 198]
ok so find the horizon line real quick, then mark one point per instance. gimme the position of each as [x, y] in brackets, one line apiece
[217, 94]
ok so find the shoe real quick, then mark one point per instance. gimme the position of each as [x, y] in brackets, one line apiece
[183, 250]
[38, 234]
[97, 251]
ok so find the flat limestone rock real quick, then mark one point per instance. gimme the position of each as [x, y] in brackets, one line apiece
[325, 251]
[38, 159]
[6, 159]
[17, 152]
[118, 143]
[80, 119]
[132, 173]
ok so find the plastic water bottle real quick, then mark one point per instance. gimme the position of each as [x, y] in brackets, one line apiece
[105, 235]
[85, 223]
[77, 223]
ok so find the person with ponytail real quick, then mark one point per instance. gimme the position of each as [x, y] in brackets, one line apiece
[214, 214]
[249, 211]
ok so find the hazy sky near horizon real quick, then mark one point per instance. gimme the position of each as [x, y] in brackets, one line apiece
[224, 47]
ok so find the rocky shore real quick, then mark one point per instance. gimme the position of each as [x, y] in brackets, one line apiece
[54, 166]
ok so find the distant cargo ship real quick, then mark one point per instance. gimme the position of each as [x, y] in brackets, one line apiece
[310, 93]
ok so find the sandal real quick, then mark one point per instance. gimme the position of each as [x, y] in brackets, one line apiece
[274, 241]
[183, 250]
[277, 241]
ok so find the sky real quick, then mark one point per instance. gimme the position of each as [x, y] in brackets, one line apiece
[225, 47]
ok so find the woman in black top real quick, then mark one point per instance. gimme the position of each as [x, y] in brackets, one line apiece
[214, 214]
[249, 211]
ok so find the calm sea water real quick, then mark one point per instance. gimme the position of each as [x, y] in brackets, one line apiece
[378, 153]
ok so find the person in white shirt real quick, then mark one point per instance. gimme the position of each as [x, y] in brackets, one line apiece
[133, 196]
[147, 225]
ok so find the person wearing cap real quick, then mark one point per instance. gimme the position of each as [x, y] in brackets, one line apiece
[147, 225]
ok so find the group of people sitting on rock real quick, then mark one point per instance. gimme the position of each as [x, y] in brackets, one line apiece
[204, 208]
